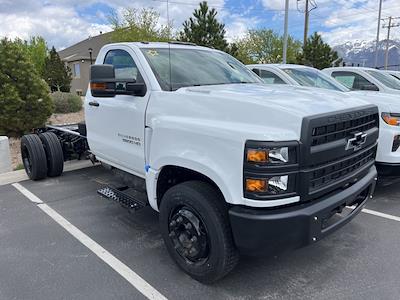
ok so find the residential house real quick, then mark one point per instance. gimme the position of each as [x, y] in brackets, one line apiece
[80, 56]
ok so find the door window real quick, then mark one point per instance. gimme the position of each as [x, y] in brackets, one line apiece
[125, 67]
[354, 81]
[270, 78]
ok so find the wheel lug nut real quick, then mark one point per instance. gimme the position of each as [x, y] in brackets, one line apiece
[179, 220]
[188, 226]
[172, 224]
[193, 239]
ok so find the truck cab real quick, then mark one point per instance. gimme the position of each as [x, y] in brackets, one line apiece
[233, 166]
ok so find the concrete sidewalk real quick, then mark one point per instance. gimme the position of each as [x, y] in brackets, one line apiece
[20, 175]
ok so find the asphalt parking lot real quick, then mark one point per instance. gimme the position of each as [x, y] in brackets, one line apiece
[40, 259]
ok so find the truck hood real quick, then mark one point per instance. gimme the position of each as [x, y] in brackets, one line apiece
[296, 100]
[258, 111]
[385, 102]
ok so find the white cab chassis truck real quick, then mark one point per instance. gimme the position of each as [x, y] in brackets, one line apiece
[231, 165]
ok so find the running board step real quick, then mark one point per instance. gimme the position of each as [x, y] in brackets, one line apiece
[126, 196]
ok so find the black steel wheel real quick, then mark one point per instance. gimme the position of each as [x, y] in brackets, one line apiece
[54, 154]
[33, 157]
[189, 235]
[196, 231]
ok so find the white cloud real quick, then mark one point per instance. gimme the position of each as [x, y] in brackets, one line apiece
[239, 25]
[342, 20]
[352, 22]
[61, 26]
[59, 22]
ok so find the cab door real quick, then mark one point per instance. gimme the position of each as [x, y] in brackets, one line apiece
[115, 125]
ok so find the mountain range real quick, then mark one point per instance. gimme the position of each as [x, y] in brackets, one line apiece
[363, 53]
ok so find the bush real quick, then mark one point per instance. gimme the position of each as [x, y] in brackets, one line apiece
[24, 96]
[66, 102]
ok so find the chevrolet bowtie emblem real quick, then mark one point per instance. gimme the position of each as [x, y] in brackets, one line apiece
[356, 141]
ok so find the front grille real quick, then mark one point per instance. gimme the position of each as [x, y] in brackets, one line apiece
[327, 161]
[332, 172]
[340, 130]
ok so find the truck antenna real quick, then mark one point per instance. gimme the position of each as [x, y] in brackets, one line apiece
[169, 48]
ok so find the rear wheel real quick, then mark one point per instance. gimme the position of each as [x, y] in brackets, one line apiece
[54, 154]
[33, 157]
[196, 230]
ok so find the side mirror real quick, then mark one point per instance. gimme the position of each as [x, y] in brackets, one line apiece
[104, 84]
[369, 87]
[102, 80]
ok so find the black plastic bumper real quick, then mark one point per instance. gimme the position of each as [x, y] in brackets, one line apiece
[266, 231]
[388, 169]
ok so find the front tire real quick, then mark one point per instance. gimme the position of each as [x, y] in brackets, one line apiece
[33, 157]
[195, 227]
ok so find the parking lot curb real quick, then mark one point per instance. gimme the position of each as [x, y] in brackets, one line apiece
[20, 175]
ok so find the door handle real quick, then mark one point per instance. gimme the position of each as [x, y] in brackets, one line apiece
[94, 103]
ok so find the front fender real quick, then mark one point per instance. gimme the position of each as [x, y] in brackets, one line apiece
[206, 170]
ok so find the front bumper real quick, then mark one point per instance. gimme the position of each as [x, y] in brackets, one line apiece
[384, 153]
[273, 231]
[388, 169]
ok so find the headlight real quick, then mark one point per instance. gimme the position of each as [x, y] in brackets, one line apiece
[391, 119]
[273, 186]
[270, 169]
[270, 155]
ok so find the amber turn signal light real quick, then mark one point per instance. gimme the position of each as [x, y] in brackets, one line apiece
[98, 86]
[256, 185]
[254, 155]
[391, 120]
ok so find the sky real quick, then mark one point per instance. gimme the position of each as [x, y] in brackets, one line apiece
[65, 22]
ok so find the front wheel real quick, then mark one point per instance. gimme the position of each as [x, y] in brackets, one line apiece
[195, 228]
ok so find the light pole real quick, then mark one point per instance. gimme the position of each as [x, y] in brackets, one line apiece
[285, 35]
[377, 33]
[90, 55]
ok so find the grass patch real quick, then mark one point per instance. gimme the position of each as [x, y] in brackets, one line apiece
[19, 167]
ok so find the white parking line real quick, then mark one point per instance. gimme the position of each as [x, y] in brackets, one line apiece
[133, 278]
[379, 214]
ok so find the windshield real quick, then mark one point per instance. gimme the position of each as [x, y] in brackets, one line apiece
[385, 79]
[192, 67]
[314, 78]
[397, 76]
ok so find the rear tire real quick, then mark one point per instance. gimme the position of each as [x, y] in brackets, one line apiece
[196, 230]
[33, 157]
[54, 154]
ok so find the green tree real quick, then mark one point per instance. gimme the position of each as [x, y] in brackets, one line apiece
[24, 96]
[317, 53]
[136, 26]
[36, 50]
[265, 46]
[56, 73]
[204, 29]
